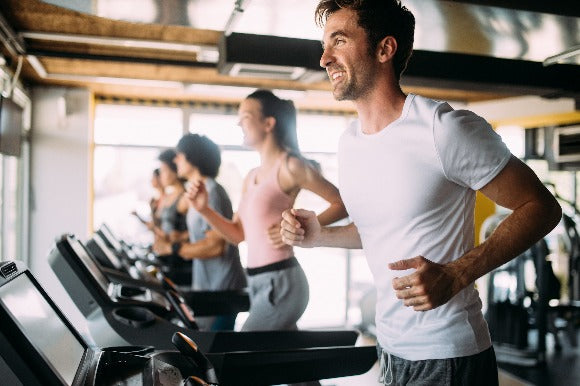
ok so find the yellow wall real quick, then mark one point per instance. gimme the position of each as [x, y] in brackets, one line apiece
[484, 208]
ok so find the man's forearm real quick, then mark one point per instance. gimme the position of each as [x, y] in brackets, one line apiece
[346, 236]
[228, 229]
[515, 234]
[203, 249]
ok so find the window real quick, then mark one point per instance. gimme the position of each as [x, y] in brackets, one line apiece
[10, 208]
[14, 175]
[138, 125]
[221, 128]
[128, 140]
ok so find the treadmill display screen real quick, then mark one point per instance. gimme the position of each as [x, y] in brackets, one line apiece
[43, 327]
[90, 264]
[113, 259]
[110, 237]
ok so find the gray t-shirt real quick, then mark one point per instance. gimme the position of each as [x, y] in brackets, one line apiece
[220, 273]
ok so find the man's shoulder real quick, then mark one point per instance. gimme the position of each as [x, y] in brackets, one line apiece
[444, 111]
[429, 106]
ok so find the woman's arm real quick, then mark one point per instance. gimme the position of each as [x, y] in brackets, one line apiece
[305, 176]
[231, 230]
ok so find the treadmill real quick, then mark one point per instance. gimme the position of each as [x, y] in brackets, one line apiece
[40, 347]
[117, 268]
[113, 253]
[114, 319]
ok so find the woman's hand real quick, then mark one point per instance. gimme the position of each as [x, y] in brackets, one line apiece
[275, 237]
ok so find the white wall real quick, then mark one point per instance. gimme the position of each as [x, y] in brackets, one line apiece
[60, 165]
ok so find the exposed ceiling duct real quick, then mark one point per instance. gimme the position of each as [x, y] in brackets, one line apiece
[272, 57]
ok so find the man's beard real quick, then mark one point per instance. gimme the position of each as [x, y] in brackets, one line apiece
[355, 87]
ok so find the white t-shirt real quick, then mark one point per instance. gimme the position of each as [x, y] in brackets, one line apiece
[410, 190]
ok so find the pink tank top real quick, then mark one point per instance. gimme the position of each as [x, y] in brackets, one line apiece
[261, 206]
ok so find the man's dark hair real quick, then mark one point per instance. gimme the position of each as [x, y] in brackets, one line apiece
[379, 18]
[167, 157]
[201, 152]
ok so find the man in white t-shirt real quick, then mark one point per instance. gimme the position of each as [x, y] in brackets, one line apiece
[409, 168]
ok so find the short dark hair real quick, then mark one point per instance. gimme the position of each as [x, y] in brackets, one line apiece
[168, 157]
[379, 18]
[201, 152]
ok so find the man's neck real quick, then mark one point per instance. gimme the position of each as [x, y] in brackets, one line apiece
[380, 108]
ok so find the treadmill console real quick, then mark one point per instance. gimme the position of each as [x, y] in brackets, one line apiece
[30, 319]
[116, 292]
[41, 347]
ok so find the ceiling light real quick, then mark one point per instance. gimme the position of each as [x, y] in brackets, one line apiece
[204, 53]
[239, 92]
[219, 90]
[134, 82]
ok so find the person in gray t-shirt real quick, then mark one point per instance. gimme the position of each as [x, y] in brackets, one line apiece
[216, 263]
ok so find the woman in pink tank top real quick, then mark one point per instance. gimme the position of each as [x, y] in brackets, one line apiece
[277, 285]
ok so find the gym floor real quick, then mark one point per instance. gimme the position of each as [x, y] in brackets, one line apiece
[562, 368]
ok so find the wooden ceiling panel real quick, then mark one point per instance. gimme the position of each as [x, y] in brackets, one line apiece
[167, 73]
[35, 15]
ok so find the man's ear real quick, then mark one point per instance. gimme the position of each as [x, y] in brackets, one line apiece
[387, 48]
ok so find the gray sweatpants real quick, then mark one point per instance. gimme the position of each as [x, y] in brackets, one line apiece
[474, 370]
[277, 299]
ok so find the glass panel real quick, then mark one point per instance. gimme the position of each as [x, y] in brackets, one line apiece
[138, 125]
